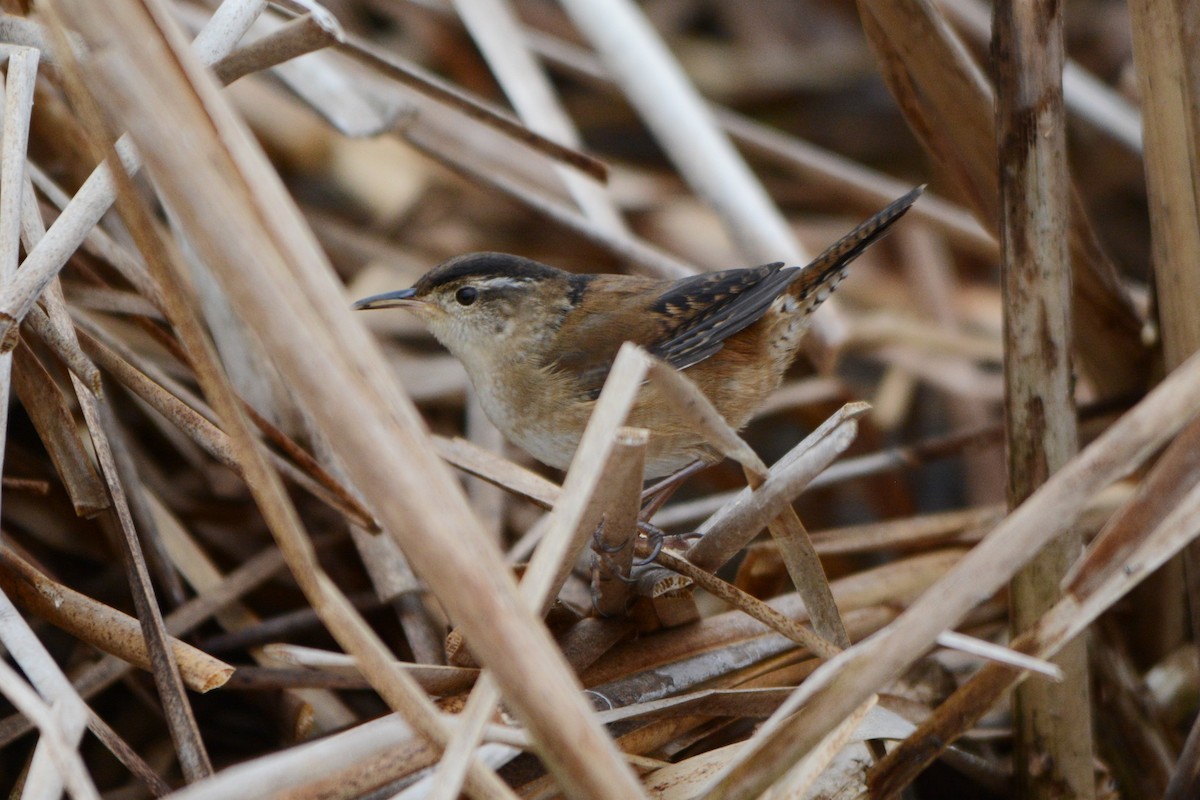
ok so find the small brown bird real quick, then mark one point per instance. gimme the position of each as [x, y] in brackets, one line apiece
[538, 342]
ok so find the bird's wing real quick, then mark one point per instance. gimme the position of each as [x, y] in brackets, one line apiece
[687, 321]
[705, 310]
[683, 322]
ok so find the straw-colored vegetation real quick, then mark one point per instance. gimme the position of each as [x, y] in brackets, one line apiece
[255, 544]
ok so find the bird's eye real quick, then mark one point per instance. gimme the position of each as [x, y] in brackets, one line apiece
[466, 295]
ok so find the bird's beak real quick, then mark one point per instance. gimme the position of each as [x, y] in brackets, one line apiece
[403, 298]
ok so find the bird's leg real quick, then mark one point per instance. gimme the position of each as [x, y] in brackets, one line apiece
[598, 541]
[654, 498]
[605, 552]
[656, 537]
[657, 495]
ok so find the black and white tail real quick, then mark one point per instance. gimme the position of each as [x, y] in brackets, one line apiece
[816, 281]
[822, 275]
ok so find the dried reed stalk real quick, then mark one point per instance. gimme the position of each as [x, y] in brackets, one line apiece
[1053, 722]
[844, 682]
[359, 415]
[700, 681]
[949, 104]
[1170, 85]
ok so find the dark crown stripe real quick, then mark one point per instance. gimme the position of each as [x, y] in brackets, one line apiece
[486, 265]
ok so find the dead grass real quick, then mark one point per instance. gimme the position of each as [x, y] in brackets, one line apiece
[241, 524]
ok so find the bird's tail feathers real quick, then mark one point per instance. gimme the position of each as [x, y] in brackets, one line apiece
[823, 274]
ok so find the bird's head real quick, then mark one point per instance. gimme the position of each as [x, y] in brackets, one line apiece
[485, 306]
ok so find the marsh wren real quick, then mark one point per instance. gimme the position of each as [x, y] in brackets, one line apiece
[538, 342]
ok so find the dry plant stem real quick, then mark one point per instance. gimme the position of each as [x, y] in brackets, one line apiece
[1186, 778]
[30, 485]
[179, 406]
[342, 665]
[931, 269]
[99, 625]
[63, 238]
[302, 35]
[731, 663]
[757, 702]
[497, 470]
[83, 212]
[581, 506]
[1164, 35]
[612, 564]
[342, 498]
[145, 524]
[496, 31]
[108, 301]
[1053, 721]
[225, 28]
[585, 493]
[52, 418]
[808, 576]
[1113, 564]
[396, 584]
[656, 85]
[803, 564]
[885, 331]
[1083, 93]
[1170, 85]
[870, 598]
[44, 673]
[23, 32]
[953, 640]
[949, 105]
[204, 576]
[892, 458]
[301, 679]
[340, 378]
[116, 468]
[592, 637]
[449, 775]
[65, 348]
[1163, 489]
[852, 180]
[752, 606]
[142, 228]
[434, 87]
[798, 780]
[95, 242]
[396, 687]
[801, 635]
[348, 751]
[647, 257]
[839, 686]
[921, 531]
[1131, 734]
[109, 669]
[490, 502]
[55, 744]
[740, 519]
[18, 103]
[128, 757]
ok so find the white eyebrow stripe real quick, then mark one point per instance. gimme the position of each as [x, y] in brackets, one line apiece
[503, 282]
